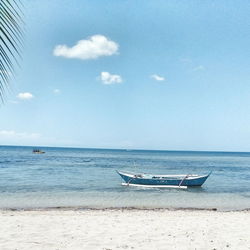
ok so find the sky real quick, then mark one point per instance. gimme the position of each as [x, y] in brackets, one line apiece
[156, 74]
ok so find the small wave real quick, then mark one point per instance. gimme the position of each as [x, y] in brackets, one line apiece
[6, 161]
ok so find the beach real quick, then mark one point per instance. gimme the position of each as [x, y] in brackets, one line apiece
[124, 229]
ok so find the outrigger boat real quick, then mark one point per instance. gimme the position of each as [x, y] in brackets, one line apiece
[37, 151]
[163, 181]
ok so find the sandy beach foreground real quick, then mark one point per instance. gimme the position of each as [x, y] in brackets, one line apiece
[124, 229]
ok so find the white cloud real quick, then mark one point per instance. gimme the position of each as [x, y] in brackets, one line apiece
[157, 77]
[11, 134]
[56, 91]
[12, 137]
[108, 78]
[191, 65]
[91, 48]
[198, 68]
[25, 96]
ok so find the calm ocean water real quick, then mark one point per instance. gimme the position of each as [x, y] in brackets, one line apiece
[87, 178]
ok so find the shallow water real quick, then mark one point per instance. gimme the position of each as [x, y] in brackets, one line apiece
[87, 178]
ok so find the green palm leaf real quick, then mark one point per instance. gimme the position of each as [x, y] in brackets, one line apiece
[11, 41]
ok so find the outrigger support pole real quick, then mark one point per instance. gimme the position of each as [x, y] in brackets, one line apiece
[183, 180]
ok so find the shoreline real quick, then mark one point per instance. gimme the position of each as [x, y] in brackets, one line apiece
[86, 208]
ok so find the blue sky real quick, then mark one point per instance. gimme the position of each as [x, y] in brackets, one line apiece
[171, 75]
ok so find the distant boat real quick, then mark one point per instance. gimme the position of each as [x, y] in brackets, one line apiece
[163, 181]
[38, 151]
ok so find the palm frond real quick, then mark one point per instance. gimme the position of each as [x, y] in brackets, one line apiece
[11, 41]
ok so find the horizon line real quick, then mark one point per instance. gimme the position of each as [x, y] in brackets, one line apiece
[127, 149]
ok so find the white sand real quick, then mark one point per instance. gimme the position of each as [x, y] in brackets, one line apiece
[124, 229]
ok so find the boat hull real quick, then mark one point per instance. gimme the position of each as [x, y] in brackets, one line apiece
[189, 181]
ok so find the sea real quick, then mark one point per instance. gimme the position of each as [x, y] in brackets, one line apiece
[83, 178]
